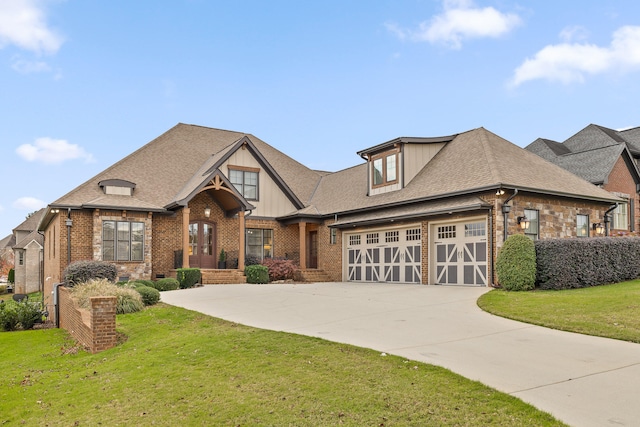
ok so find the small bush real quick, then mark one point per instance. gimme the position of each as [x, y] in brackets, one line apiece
[166, 284]
[84, 271]
[128, 300]
[188, 277]
[516, 264]
[29, 313]
[150, 296]
[251, 260]
[257, 274]
[279, 269]
[3, 289]
[149, 283]
[8, 316]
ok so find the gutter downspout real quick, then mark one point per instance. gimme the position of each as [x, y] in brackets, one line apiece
[41, 267]
[505, 212]
[607, 218]
[56, 302]
[69, 223]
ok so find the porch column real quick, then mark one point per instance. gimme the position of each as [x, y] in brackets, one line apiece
[185, 237]
[303, 245]
[242, 242]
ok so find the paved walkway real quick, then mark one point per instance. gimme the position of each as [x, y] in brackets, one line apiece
[582, 380]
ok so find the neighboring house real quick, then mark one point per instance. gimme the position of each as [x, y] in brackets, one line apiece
[6, 254]
[418, 210]
[28, 255]
[606, 158]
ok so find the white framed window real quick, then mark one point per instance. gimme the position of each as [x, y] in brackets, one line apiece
[122, 241]
[413, 234]
[447, 232]
[533, 230]
[21, 258]
[475, 229]
[392, 236]
[620, 221]
[246, 182]
[354, 240]
[582, 225]
[372, 238]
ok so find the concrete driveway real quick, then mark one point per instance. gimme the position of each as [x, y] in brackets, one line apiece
[581, 380]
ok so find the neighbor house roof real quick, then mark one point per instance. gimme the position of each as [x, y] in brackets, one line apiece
[473, 161]
[591, 153]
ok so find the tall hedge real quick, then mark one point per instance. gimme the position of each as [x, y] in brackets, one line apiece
[580, 263]
[516, 264]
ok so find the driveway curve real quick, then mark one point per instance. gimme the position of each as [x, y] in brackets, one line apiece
[581, 380]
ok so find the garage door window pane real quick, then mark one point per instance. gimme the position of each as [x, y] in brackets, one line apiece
[354, 240]
[475, 229]
[447, 232]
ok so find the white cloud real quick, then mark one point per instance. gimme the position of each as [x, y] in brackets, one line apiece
[23, 24]
[27, 67]
[573, 33]
[29, 203]
[571, 62]
[460, 20]
[51, 151]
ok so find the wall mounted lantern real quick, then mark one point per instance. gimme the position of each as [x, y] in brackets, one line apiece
[598, 228]
[523, 222]
[499, 192]
[207, 211]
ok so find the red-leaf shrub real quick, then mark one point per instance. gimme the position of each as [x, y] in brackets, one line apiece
[279, 269]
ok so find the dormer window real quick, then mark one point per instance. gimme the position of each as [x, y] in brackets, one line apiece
[118, 187]
[384, 168]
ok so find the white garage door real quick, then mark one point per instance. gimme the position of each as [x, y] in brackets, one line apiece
[391, 256]
[460, 253]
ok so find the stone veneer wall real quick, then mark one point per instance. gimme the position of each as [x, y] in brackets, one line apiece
[131, 269]
[95, 329]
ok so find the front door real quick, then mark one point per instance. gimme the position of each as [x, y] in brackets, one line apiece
[313, 249]
[202, 244]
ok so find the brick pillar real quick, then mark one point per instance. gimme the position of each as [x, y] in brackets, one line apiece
[303, 245]
[103, 322]
[185, 237]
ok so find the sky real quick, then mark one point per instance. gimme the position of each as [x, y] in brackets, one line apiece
[85, 83]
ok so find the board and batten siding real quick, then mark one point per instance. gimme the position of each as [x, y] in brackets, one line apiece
[416, 156]
[272, 202]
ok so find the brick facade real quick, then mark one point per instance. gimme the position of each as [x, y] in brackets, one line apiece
[621, 183]
[95, 329]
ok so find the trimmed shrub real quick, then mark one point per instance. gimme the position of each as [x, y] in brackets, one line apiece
[11, 276]
[8, 316]
[580, 263]
[516, 264]
[3, 289]
[150, 296]
[128, 300]
[257, 274]
[166, 284]
[188, 277]
[142, 282]
[84, 271]
[279, 269]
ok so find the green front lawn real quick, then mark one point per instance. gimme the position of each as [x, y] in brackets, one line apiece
[611, 311]
[178, 367]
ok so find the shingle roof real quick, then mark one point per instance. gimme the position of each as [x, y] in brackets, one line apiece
[591, 153]
[31, 237]
[632, 136]
[162, 168]
[472, 161]
[415, 210]
[31, 223]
